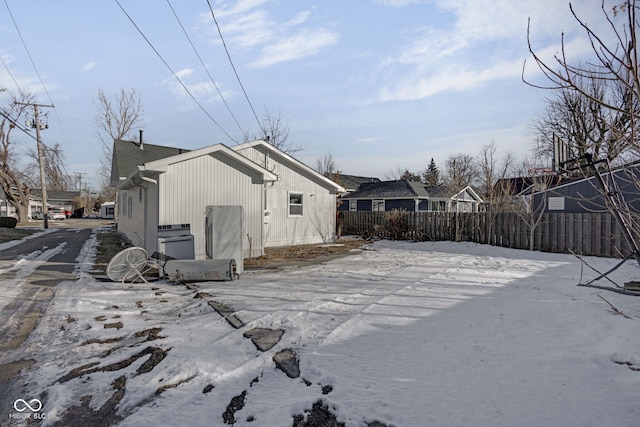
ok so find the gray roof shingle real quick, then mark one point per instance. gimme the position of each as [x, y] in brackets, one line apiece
[397, 189]
[127, 155]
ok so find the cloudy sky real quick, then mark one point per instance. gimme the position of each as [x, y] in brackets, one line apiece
[378, 84]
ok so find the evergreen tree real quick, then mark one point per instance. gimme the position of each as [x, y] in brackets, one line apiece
[431, 175]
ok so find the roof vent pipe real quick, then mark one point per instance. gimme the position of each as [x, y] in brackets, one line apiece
[141, 146]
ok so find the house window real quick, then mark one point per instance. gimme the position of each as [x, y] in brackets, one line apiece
[556, 203]
[378, 205]
[123, 196]
[130, 207]
[353, 205]
[295, 204]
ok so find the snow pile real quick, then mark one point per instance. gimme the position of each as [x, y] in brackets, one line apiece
[405, 334]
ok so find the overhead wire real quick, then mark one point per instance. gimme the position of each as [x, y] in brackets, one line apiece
[33, 64]
[24, 44]
[193, 98]
[224, 44]
[10, 74]
[206, 69]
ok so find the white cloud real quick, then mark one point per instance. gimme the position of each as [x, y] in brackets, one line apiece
[90, 66]
[186, 72]
[250, 25]
[204, 91]
[485, 41]
[295, 47]
[300, 18]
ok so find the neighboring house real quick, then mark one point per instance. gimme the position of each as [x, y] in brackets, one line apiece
[410, 196]
[128, 155]
[350, 182]
[585, 195]
[284, 201]
[107, 210]
[57, 199]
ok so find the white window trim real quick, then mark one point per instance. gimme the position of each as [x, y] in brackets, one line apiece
[289, 204]
[378, 201]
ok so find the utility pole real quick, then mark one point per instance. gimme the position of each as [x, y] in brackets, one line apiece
[84, 208]
[43, 179]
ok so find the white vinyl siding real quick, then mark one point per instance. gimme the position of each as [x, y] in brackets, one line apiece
[316, 224]
[188, 187]
[131, 221]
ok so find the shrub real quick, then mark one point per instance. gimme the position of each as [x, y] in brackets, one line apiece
[8, 222]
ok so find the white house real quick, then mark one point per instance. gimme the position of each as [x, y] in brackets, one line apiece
[284, 202]
[300, 206]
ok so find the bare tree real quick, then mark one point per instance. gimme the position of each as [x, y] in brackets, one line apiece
[583, 122]
[614, 70]
[116, 117]
[491, 168]
[275, 130]
[615, 67]
[400, 173]
[53, 159]
[537, 179]
[326, 165]
[12, 179]
[460, 171]
[494, 185]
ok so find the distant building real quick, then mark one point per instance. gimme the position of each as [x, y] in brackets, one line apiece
[410, 196]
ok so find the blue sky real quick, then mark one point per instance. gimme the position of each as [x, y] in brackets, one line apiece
[378, 84]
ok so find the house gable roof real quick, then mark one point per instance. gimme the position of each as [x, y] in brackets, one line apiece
[128, 155]
[292, 162]
[161, 165]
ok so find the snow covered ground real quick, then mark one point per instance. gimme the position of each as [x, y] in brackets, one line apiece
[405, 334]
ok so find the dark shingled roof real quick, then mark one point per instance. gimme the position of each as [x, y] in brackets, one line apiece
[396, 189]
[127, 155]
[350, 182]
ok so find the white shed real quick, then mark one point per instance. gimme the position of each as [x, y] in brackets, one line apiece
[107, 210]
[284, 201]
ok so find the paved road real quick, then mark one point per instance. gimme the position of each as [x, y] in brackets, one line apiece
[29, 273]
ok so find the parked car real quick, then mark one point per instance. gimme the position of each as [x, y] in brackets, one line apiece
[36, 215]
[57, 213]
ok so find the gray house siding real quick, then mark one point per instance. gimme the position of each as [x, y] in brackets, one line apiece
[364, 205]
[585, 196]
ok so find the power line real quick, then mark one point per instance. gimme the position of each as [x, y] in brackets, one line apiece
[28, 53]
[34, 67]
[7, 116]
[173, 73]
[233, 66]
[10, 75]
[206, 69]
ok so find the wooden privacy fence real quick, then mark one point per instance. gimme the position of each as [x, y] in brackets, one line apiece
[595, 234]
